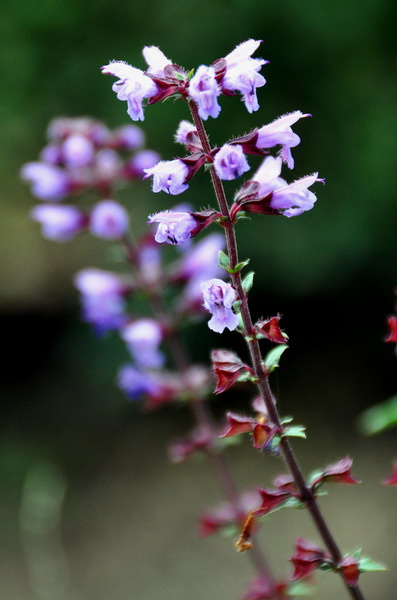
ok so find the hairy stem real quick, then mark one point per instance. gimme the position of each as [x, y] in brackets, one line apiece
[202, 414]
[256, 359]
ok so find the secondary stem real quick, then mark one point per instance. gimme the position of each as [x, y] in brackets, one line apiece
[256, 358]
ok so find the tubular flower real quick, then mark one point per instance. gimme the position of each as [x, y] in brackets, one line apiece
[279, 132]
[48, 181]
[108, 220]
[218, 299]
[230, 162]
[58, 223]
[156, 60]
[294, 199]
[169, 176]
[242, 73]
[174, 227]
[143, 338]
[204, 90]
[133, 86]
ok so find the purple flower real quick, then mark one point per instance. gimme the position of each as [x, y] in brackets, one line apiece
[294, 199]
[204, 90]
[242, 73]
[107, 164]
[169, 176]
[136, 383]
[109, 220]
[184, 129]
[280, 132]
[156, 60]
[268, 176]
[102, 298]
[145, 159]
[51, 154]
[129, 137]
[132, 85]
[218, 299]
[59, 223]
[143, 338]
[174, 227]
[78, 151]
[201, 260]
[48, 182]
[230, 162]
[149, 261]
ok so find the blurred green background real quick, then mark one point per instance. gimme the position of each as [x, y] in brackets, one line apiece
[89, 506]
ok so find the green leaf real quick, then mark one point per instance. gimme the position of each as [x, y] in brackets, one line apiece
[286, 420]
[190, 74]
[230, 530]
[240, 266]
[248, 281]
[295, 431]
[367, 565]
[379, 417]
[299, 588]
[290, 503]
[223, 260]
[273, 357]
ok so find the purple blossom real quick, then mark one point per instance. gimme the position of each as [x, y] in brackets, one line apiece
[268, 176]
[107, 164]
[129, 137]
[169, 176]
[230, 162]
[242, 73]
[48, 181]
[136, 383]
[279, 132]
[58, 223]
[204, 90]
[143, 338]
[201, 260]
[174, 227]
[77, 151]
[149, 260]
[156, 60]
[294, 199]
[51, 154]
[184, 129]
[218, 299]
[132, 86]
[102, 297]
[109, 220]
[145, 159]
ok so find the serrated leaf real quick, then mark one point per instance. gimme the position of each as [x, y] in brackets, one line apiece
[248, 281]
[295, 431]
[223, 260]
[379, 417]
[273, 357]
[367, 565]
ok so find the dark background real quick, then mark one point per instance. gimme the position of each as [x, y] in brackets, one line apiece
[69, 440]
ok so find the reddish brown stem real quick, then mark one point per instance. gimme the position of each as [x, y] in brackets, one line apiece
[256, 358]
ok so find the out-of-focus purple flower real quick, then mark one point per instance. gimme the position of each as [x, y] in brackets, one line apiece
[132, 85]
[242, 73]
[143, 338]
[107, 164]
[109, 220]
[149, 261]
[51, 154]
[77, 151]
[102, 298]
[279, 132]
[169, 176]
[156, 59]
[48, 181]
[174, 227]
[230, 162]
[201, 260]
[294, 199]
[268, 176]
[136, 383]
[129, 137]
[204, 90]
[58, 222]
[218, 299]
[145, 159]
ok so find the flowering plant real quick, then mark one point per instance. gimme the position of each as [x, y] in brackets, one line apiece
[84, 155]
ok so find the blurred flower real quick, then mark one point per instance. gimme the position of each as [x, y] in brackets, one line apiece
[143, 338]
[48, 181]
[129, 137]
[59, 223]
[77, 151]
[145, 159]
[136, 383]
[109, 220]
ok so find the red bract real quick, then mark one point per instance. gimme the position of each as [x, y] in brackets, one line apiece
[392, 323]
[350, 570]
[307, 558]
[270, 500]
[228, 368]
[270, 329]
[392, 480]
[227, 513]
[262, 432]
[199, 440]
[237, 424]
[262, 588]
[339, 472]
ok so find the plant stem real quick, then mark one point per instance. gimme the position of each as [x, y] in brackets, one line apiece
[202, 414]
[256, 359]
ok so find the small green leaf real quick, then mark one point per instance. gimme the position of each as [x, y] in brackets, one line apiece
[246, 376]
[367, 565]
[273, 357]
[379, 417]
[223, 443]
[290, 503]
[295, 431]
[299, 588]
[286, 420]
[241, 265]
[223, 260]
[248, 281]
[229, 530]
[190, 74]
